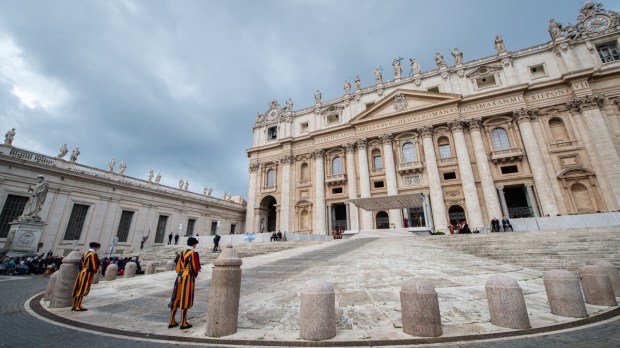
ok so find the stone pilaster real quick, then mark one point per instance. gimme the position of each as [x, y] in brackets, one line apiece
[531, 199]
[502, 199]
[438, 204]
[249, 213]
[534, 156]
[484, 171]
[396, 217]
[285, 193]
[474, 215]
[318, 221]
[362, 160]
[589, 108]
[351, 185]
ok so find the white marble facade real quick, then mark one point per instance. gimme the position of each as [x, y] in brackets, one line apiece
[529, 132]
[105, 196]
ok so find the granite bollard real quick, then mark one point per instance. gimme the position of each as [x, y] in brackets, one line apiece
[150, 268]
[506, 303]
[564, 294]
[223, 305]
[596, 286]
[130, 270]
[170, 265]
[97, 276]
[111, 272]
[63, 288]
[49, 291]
[420, 308]
[612, 273]
[317, 311]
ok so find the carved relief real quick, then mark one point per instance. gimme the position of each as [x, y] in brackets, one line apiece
[588, 102]
[400, 102]
[561, 48]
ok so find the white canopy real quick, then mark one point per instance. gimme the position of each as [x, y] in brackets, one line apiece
[412, 200]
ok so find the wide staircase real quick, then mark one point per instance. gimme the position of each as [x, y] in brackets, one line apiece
[568, 249]
[162, 254]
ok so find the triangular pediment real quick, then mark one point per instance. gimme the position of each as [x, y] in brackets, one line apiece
[403, 101]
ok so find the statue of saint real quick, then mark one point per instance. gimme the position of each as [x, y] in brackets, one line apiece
[149, 177]
[9, 136]
[144, 239]
[205, 190]
[415, 66]
[378, 76]
[289, 105]
[458, 56]
[358, 83]
[347, 87]
[262, 225]
[317, 97]
[397, 68]
[439, 60]
[181, 182]
[186, 185]
[210, 191]
[63, 151]
[158, 178]
[225, 196]
[555, 29]
[74, 154]
[111, 165]
[122, 166]
[36, 201]
[499, 45]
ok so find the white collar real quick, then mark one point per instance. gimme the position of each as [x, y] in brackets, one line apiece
[190, 247]
[91, 249]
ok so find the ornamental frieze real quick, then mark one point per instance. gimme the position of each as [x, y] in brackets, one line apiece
[588, 102]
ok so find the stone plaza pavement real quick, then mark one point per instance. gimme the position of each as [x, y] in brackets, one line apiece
[367, 274]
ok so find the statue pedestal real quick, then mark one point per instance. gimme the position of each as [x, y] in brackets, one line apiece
[23, 237]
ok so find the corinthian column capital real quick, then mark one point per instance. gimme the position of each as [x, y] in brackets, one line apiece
[318, 154]
[253, 167]
[587, 102]
[457, 125]
[287, 159]
[524, 114]
[426, 131]
[387, 138]
[362, 144]
[475, 124]
[349, 147]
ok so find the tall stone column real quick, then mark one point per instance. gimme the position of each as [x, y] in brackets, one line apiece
[285, 193]
[502, 199]
[532, 199]
[351, 185]
[249, 213]
[474, 215]
[318, 222]
[589, 107]
[428, 214]
[484, 170]
[534, 157]
[362, 160]
[438, 204]
[395, 215]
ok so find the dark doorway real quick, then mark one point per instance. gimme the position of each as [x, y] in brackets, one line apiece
[456, 214]
[382, 220]
[416, 217]
[268, 207]
[516, 201]
[339, 217]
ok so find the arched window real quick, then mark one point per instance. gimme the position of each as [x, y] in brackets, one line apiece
[558, 130]
[305, 172]
[444, 148]
[500, 139]
[337, 166]
[409, 153]
[377, 163]
[271, 178]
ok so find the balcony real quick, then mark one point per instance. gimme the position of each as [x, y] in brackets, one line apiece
[410, 167]
[376, 171]
[561, 146]
[336, 179]
[508, 155]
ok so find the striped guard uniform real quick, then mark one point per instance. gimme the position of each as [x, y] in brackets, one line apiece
[89, 265]
[187, 268]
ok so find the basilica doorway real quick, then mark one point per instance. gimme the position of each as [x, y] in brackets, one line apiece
[268, 214]
[339, 217]
[517, 203]
[382, 220]
[456, 213]
[416, 217]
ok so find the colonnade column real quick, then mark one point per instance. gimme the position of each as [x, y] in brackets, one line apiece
[428, 214]
[362, 160]
[285, 193]
[474, 215]
[502, 199]
[438, 204]
[351, 185]
[249, 213]
[589, 107]
[534, 157]
[531, 199]
[318, 221]
[395, 215]
[484, 170]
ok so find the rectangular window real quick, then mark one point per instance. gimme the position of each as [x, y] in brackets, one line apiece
[332, 119]
[486, 81]
[190, 227]
[608, 52]
[510, 169]
[304, 127]
[433, 89]
[13, 208]
[449, 176]
[538, 71]
[213, 227]
[124, 225]
[336, 190]
[377, 163]
[161, 229]
[76, 222]
[445, 152]
[233, 227]
[378, 184]
[272, 133]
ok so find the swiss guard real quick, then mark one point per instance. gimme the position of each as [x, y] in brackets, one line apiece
[89, 265]
[187, 268]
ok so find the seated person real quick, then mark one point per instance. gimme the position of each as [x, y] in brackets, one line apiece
[506, 223]
[274, 236]
[279, 236]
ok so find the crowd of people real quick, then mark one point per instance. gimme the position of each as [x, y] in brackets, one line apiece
[30, 264]
[505, 224]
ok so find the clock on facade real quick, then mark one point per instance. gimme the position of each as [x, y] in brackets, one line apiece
[272, 114]
[597, 23]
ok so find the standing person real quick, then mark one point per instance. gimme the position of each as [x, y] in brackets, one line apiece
[89, 265]
[188, 266]
[176, 239]
[216, 242]
[170, 238]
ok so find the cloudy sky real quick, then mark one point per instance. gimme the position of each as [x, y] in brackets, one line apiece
[175, 85]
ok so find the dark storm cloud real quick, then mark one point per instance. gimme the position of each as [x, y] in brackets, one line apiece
[175, 85]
